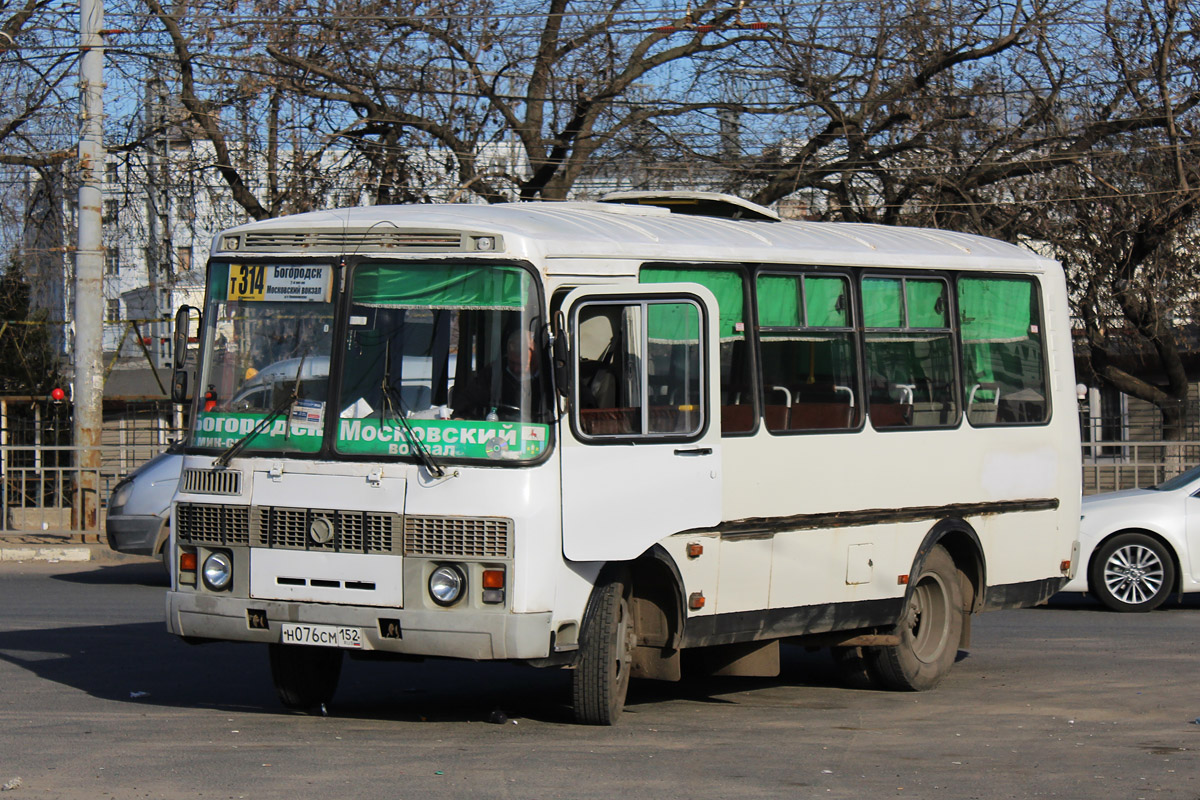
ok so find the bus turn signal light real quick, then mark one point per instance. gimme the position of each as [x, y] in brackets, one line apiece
[1065, 566]
[493, 586]
[902, 580]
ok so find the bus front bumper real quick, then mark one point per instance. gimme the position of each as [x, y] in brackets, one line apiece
[453, 633]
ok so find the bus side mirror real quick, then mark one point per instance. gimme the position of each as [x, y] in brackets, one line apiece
[561, 357]
[179, 378]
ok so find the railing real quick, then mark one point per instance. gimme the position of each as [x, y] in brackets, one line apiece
[44, 491]
[1113, 466]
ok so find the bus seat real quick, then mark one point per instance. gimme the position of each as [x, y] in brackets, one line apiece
[737, 418]
[931, 414]
[821, 416]
[608, 421]
[983, 411]
[776, 417]
[890, 415]
[667, 419]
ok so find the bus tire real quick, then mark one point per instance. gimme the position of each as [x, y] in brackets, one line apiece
[929, 630]
[304, 677]
[601, 676]
[1132, 572]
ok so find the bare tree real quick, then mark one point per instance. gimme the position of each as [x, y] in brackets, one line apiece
[523, 96]
[269, 147]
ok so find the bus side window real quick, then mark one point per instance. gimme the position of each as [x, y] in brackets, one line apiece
[809, 366]
[1003, 356]
[909, 351]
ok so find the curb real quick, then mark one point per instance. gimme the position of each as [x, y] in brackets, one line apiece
[77, 553]
[73, 552]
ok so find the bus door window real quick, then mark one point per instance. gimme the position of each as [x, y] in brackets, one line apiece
[909, 352]
[807, 350]
[639, 369]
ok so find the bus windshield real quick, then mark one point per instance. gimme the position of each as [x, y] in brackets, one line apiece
[268, 336]
[447, 353]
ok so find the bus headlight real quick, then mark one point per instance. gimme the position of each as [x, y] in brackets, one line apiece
[218, 571]
[446, 585]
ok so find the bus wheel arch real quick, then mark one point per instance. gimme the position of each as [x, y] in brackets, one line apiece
[946, 585]
[631, 629]
[607, 639]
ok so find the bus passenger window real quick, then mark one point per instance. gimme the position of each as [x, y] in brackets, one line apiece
[909, 353]
[809, 366]
[1003, 353]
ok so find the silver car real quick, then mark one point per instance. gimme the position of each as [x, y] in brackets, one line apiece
[139, 511]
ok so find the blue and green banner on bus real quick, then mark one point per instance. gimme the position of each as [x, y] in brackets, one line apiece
[447, 438]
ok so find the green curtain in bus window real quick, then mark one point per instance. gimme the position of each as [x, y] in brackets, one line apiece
[825, 299]
[994, 310]
[991, 312]
[881, 303]
[669, 323]
[442, 286]
[726, 286]
[779, 301]
[218, 282]
[927, 306]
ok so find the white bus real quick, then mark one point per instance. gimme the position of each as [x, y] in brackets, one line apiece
[596, 435]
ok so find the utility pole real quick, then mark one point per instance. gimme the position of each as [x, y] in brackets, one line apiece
[88, 390]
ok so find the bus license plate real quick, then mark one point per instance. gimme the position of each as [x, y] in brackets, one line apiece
[322, 635]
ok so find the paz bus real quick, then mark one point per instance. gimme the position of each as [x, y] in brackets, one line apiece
[595, 435]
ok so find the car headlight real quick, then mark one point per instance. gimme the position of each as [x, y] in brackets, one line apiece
[446, 585]
[218, 571]
[120, 497]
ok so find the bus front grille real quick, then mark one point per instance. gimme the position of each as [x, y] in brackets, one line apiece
[197, 523]
[336, 531]
[486, 537]
[211, 481]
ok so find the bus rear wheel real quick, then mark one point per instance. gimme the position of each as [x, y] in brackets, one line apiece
[305, 677]
[929, 630]
[601, 677]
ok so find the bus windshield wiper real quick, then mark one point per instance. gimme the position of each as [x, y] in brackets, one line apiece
[392, 398]
[292, 396]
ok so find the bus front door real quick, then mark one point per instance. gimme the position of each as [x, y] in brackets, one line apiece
[641, 446]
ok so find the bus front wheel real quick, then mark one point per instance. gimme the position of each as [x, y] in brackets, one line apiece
[601, 677]
[929, 630]
[305, 677]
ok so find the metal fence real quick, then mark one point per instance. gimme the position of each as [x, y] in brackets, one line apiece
[44, 491]
[1113, 466]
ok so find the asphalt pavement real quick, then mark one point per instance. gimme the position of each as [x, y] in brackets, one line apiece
[97, 700]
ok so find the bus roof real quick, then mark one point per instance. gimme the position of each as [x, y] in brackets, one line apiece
[604, 232]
